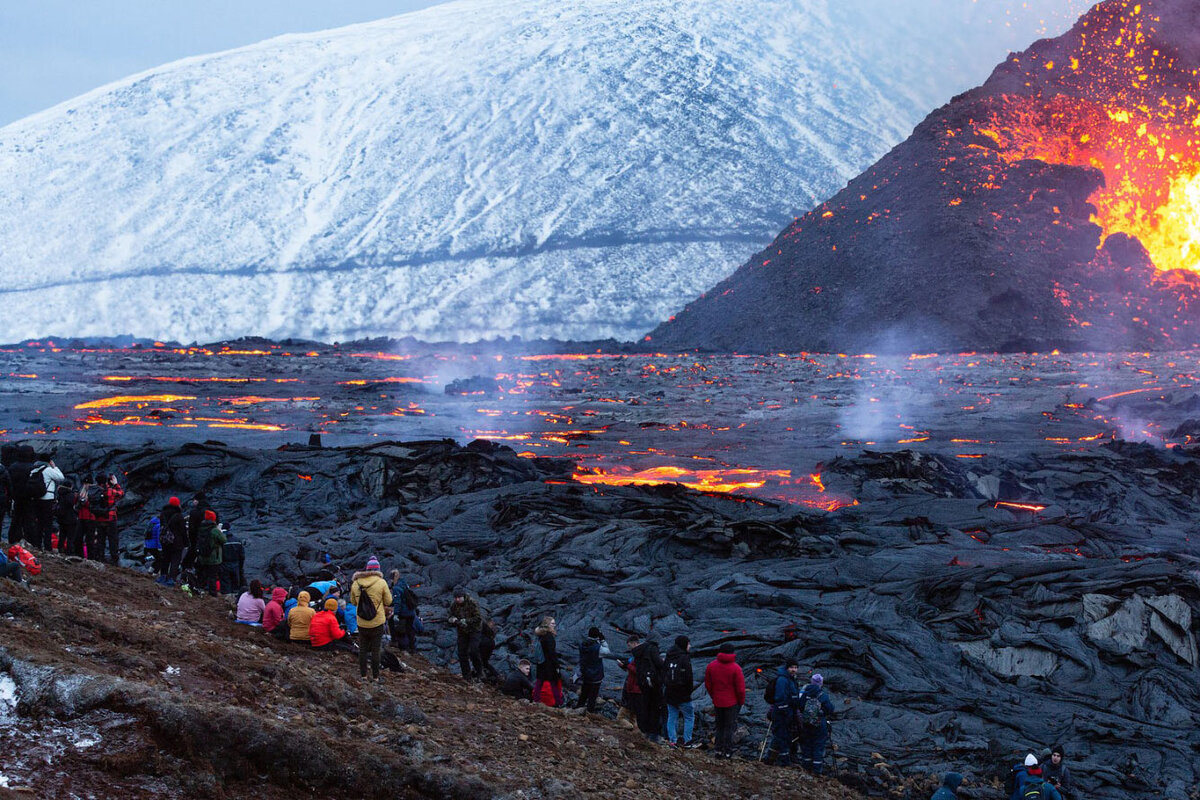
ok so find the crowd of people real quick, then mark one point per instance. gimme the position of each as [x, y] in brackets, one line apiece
[191, 547]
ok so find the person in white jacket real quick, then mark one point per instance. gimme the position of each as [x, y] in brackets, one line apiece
[52, 478]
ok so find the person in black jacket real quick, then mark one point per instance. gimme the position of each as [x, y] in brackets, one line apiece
[195, 521]
[518, 684]
[24, 505]
[648, 666]
[487, 646]
[592, 650]
[173, 540]
[5, 497]
[69, 541]
[678, 687]
[233, 564]
[548, 686]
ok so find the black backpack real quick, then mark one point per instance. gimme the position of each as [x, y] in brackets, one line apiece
[678, 677]
[647, 676]
[366, 606]
[408, 599]
[811, 713]
[97, 500]
[204, 543]
[1032, 790]
[34, 485]
[769, 692]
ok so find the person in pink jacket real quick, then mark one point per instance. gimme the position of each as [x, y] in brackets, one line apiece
[273, 614]
[250, 606]
[726, 686]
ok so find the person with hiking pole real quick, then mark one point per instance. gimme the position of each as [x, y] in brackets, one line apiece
[815, 709]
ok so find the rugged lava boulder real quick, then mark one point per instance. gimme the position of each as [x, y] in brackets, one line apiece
[1051, 207]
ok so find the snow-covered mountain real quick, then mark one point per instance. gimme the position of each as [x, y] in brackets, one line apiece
[480, 168]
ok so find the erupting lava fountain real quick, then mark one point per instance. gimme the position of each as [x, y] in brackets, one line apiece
[1056, 206]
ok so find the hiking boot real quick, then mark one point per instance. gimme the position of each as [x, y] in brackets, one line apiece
[692, 745]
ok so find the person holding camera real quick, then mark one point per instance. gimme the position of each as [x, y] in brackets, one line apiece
[468, 621]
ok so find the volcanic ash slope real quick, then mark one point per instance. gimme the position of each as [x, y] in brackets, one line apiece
[475, 169]
[1054, 206]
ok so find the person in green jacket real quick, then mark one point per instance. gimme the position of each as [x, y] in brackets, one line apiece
[208, 561]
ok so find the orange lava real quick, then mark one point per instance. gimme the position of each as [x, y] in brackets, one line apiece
[138, 400]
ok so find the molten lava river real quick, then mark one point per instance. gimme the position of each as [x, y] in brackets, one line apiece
[755, 427]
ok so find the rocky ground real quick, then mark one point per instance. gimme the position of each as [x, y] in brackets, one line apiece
[112, 686]
[964, 612]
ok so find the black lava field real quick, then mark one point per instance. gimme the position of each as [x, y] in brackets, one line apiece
[984, 554]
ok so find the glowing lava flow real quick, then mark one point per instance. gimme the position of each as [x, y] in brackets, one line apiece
[809, 490]
[135, 400]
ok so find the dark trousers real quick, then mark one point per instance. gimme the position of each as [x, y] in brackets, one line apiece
[207, 575]
[469, 660]
[107, 532]
[781, 737]
[24, 521]
[168, 562]
[4, 511]
[588, 695]
[645, 708]
[403, 635]
[726, 725]
[11, 570]
[68, 537]
[812, 748]
[370, 642]
[43, 511]
[87, 534]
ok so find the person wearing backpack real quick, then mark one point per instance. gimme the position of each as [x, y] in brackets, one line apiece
[152, 543]
[813, 713]
[404, 621]
[949, 787]
[372, 598]
[468, 623]
[592, 651]
[6, 496]
[194, 522]
[785, 705]
[102, 499]
[210, 542]
[51, 478]
[68, 521]
[233, 564]
[726, 685]
[1030, 784]
[678, 687]
[547, 679]
[648, 665]
[172, 538]
[28, 487]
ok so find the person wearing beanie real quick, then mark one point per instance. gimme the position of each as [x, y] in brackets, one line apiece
[467, 620]
[324, 631]
[273, 613]
[785, 703]
[815, 708]
[949, 788]
[679, 683]
[592, 652]
[1057, 773]
[1029, 782]
[210, 541]
[726, 685]
[372, 600]
[194, 523]
[172, 541]
[648, 669]
[299, 620]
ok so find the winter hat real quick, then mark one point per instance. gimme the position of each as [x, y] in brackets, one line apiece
[725, 649]
[952, 780]
[210, 516]
[174, 501]
[1031, 760]
[791, 662]
[818, 679]
[460, 591]
[303, 598]
[331, 604]
[594, 632]
[1058, 748]
[681, 642]
[372, 563]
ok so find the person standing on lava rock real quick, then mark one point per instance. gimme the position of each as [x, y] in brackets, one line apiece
[726, 685]
[195, 520]
[785, 702]
[172, 540]
[1058, 773]
[813, 715]
[210, 542]
[648, 666]
[68, 522]
[949, 788]
[592, 651]
[1030, 783]
[371, 597]
[6, 495]
[468, 622]
[548, 684]
[52, 478]
[102, 498]
[678, 685]
[233, 564]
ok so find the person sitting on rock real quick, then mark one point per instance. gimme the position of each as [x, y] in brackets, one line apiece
[468, 622]
[518, 683]
[813, 714]
[726, 685]
[1057, 773]
[592, 651]
[949, 788]
[324, 631]
[1028, 780]
[548, 681]
[251, 606]
[273, 611]
[9, 569]
[299, 620]
[785, 703]
[372, 598]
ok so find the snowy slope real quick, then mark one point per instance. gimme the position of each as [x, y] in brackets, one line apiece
[481, 168]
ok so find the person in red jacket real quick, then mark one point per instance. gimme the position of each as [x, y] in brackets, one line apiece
[101, 500]
[324, 630]
[273, 614]
[726, 686]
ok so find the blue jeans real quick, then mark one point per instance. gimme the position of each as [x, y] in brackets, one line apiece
[689, 721]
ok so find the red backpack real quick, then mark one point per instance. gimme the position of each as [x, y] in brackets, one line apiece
[27, 559]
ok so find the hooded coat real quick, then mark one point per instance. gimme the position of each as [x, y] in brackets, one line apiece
[547, 670]
[591, 659]
[371, 583]
[949, 787]
[325, 629]
[649, 664]
[300, 619]
[725, 682]
[273, 614]
[678, 694]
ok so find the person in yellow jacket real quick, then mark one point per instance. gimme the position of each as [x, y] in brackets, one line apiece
[299, 619]
[370, 590]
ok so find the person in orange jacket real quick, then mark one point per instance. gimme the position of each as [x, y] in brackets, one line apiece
[324, 631]
[299, 620]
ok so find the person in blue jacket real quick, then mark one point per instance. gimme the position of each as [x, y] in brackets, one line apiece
[814, 708]
[1030, 784]
[9, 569]
[949, 788]
[592, 651]
[785, 701]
